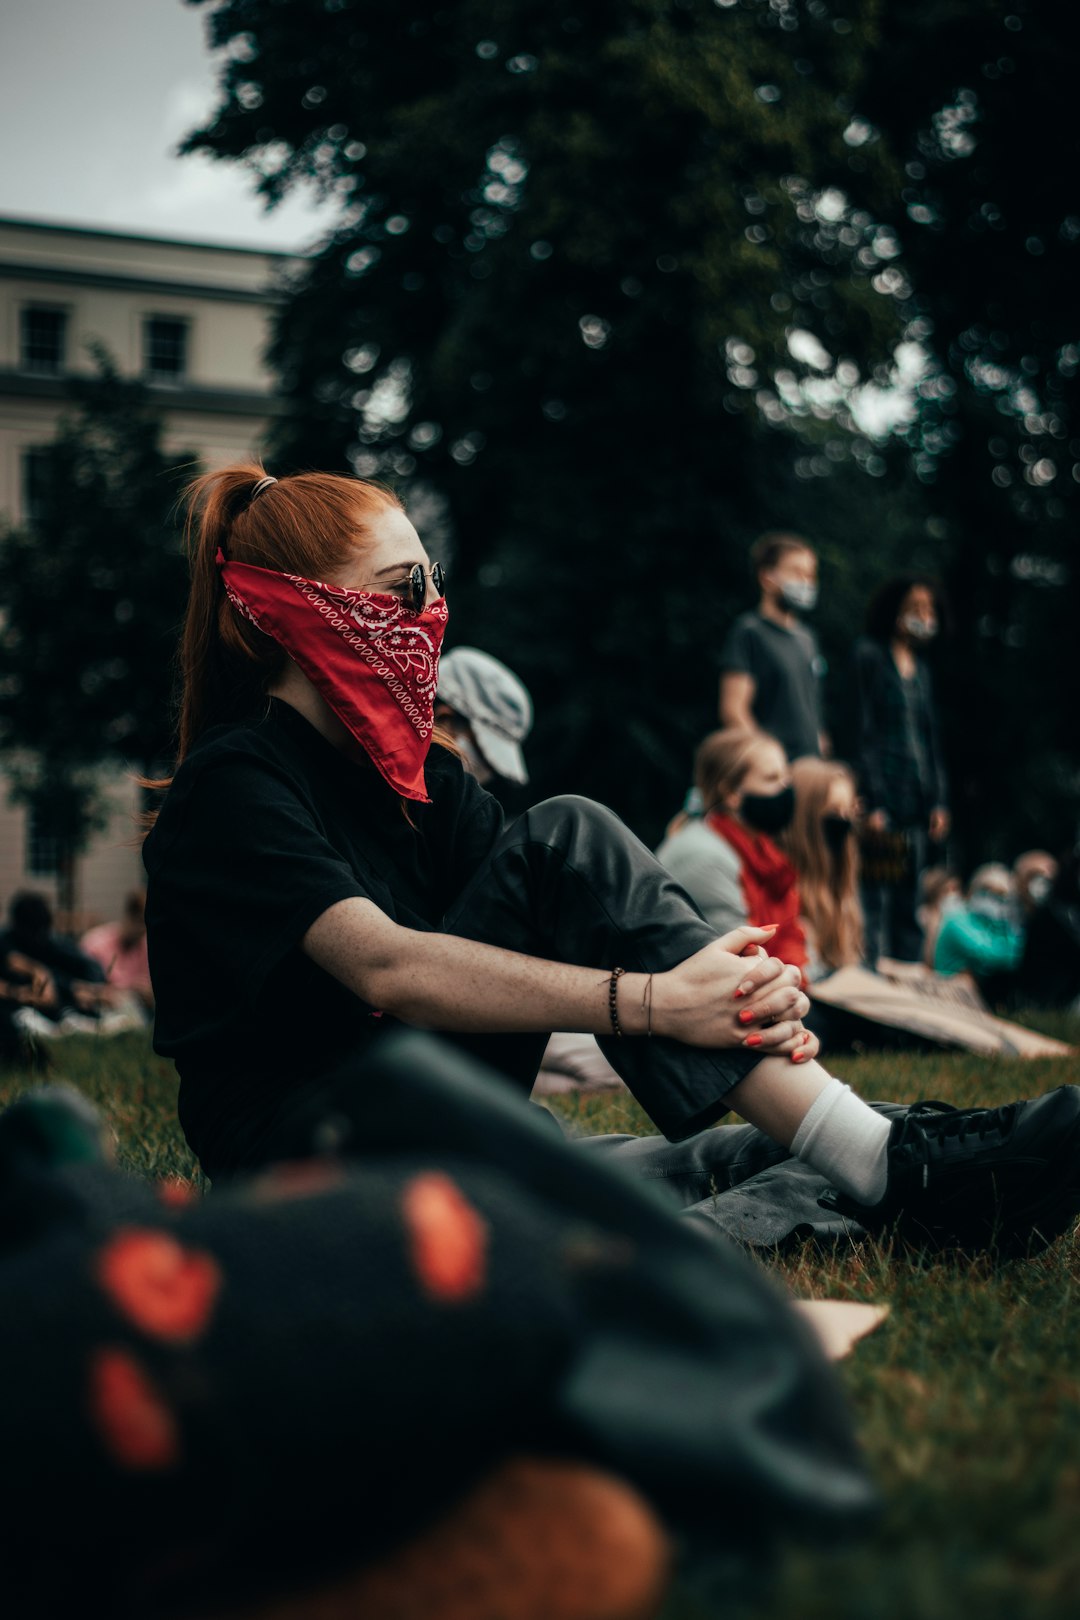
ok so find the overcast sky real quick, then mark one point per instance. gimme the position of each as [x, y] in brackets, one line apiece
[94, 96]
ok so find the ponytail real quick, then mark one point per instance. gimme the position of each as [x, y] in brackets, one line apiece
[225, 662]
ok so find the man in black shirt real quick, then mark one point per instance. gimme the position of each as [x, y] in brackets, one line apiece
[771, 663]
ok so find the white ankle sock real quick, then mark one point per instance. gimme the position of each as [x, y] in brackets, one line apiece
[843, 1139]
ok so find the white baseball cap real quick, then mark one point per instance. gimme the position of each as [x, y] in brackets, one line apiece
[494, 702]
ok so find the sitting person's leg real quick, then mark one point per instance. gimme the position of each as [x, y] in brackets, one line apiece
[567, 880]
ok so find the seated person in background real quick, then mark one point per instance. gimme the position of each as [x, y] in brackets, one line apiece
[119, 949]
[27, 995]
[1034, 873]
[982, 937]
[488, 713]
[940, 894]
[825, 854]
[1049, 973]
[727, 860]
[63, 978]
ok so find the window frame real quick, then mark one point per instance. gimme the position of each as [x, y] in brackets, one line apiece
[38, 368]
[43, 850]
[29, 511]
[176, 377]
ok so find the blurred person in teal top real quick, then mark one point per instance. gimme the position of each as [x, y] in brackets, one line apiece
[983, 937]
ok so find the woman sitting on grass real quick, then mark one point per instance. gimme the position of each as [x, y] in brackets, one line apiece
[318, 872]
[825, 854]
[730, 861]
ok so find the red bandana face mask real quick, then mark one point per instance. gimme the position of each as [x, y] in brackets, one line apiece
[371, 657]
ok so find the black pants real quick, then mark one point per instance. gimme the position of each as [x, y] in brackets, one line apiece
[892, 926]
[568, 882]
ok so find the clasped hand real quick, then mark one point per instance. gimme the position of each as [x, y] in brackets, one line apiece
[732, 994]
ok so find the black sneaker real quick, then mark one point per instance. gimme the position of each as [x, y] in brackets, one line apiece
[1000, 1179]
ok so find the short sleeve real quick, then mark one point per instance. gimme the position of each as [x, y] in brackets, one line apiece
[468, 822]
[245, 872]
[738, 656]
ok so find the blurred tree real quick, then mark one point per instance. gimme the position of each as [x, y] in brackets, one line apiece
[573, 240]
[975, 99]
[594, 262]
[93, 593]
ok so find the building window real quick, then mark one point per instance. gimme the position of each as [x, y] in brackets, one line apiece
[165, 342]
[44, 847]
[42, 340]
[36, 471]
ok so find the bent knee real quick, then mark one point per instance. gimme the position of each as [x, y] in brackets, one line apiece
[571, 810]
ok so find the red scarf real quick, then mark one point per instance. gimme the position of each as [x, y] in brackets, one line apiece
[769, 884]
[371, 657]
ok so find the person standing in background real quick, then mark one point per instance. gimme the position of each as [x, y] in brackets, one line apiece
[900, 765]
[771, 665]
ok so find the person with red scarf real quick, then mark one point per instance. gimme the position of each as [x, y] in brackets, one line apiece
[728, 861]
[320, 872]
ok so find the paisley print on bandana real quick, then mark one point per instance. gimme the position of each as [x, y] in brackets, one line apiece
[373, 659]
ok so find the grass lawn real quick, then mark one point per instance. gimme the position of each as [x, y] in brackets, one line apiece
[968, 1399]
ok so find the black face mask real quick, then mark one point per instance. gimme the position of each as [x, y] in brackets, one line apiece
[769, 812]
[836, 830]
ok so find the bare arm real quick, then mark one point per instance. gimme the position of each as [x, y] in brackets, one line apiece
[737, 699]
[440, 981]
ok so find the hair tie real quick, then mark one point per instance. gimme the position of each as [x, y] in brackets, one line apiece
[264, 483]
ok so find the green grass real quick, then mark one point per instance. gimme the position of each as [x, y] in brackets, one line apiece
[967, 1400]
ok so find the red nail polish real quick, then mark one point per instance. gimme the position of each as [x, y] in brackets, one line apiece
[739, 994]
[798, 1057]
[752, 1040]
[746, 1016]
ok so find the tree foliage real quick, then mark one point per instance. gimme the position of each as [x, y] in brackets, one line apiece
[976, 99]
[577, 248]
[93, 592]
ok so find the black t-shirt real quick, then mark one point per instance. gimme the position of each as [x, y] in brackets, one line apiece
[787, 667]
[265, 827]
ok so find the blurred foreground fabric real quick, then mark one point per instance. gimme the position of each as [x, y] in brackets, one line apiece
[221, 1402]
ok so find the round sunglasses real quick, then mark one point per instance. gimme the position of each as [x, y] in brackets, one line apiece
[416, 583]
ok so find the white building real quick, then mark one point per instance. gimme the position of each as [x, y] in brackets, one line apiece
[191, 319]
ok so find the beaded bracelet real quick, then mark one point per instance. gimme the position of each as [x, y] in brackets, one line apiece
[613, 999]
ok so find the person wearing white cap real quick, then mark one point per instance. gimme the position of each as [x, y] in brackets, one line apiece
[487, 710]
